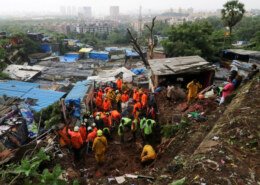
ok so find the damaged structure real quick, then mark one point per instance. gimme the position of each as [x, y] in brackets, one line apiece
[180, 69]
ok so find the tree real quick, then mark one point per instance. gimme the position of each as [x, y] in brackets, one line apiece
[232, 13]
[190, 39]
[151, 41]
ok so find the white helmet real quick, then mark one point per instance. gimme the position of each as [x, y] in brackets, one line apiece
[93, 124]
[76, 128]
[89, 128]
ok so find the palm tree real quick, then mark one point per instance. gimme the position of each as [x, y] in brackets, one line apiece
[232, 13]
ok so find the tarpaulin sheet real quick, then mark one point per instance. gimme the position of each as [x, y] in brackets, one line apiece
[46, 48]
[44, 98]
[130, 53]
[99, 55]
[138, 71]
[79, 90]
[70, 57]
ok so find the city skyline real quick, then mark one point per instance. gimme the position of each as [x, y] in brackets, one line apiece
[100, 7]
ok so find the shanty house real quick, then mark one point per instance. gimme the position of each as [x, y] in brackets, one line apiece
[181, 70]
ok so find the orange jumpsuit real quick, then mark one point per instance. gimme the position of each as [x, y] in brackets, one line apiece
[119, 83]
[83, 132]
[99, 102]
[64, 138]
[76, 139]
[106, 105]
[124, 97]
[144, 100]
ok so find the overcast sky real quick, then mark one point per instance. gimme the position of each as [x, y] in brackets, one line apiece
[102, 6]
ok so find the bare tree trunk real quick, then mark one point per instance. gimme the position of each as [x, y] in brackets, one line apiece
[137, 47]
[151, 43]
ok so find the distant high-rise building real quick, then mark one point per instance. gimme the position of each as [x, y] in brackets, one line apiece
[69, 11]
[87, 12]
[63, 10]
[114, 12]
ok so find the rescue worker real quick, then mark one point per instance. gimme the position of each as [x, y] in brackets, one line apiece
[64, 137]
[124, 99]
[111, 95]
[83, 131]
[115, 116]
[144, 100]
[138, 106]
[100, 147]
[118, 100]
[106, 105]
[193, 88]
[100, 93]
[121, 132]
[92, 134]
[126, 122]
[107, 120]
[148, 130]
[124, 87]
[134, 127]
[99, 102]
[106, 133]
[136, 95]
[148, 155]
[76, 142]
[119, 83]
[99, 122]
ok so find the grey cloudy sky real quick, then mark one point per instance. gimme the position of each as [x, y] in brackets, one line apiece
[102, 6]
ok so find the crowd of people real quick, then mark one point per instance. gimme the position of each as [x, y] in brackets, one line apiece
[118, 111]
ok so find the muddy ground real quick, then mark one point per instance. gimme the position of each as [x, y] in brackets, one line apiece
[224, 149]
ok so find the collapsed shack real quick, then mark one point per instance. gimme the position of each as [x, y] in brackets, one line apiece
[183, 69]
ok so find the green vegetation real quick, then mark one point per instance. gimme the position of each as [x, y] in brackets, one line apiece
[170, 130]
[28, 171]
[190, 39]
[49, 116]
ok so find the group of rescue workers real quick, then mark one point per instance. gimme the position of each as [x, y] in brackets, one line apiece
[119, 109]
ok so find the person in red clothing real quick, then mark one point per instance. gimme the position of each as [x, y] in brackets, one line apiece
[138, 106]
[100, 93]
[92, 134]
[83, 131]
[119, 83]
[144, 100]
[124, 99]
[64, 137]
[76, 142]
[99, 102]
[107, 120]
[115, 116]
[136, 95]
[227, 90]
[106, 105]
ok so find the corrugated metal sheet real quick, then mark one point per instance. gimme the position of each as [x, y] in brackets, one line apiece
[79, 90]
[25, 90]
[44, 97]
[15, 88]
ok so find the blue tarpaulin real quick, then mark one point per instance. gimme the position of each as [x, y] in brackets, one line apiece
[76, 95]
[79, 90]
[25, 90]
[131, 53]
[70, 57]
[46, 48]
[98, 55]
[138, 71]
